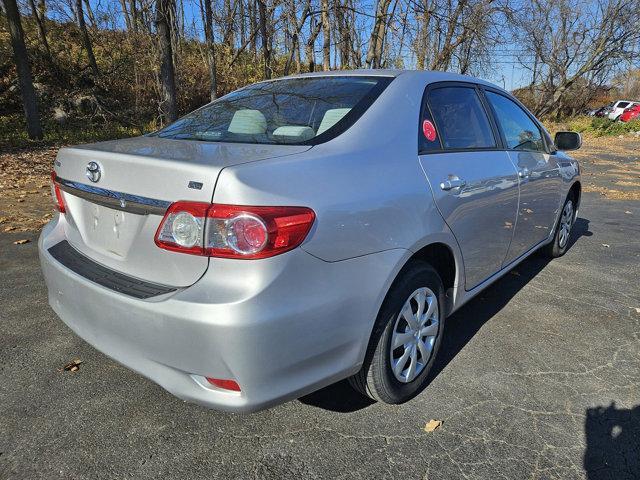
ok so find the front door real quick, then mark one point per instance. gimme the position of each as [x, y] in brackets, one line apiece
[538, 171]
[474, 183]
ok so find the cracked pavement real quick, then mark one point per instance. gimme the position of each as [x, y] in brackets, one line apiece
[538, 378]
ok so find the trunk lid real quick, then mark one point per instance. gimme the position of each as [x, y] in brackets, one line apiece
[113, 220]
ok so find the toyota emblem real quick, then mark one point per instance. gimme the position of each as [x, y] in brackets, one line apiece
[93, 171]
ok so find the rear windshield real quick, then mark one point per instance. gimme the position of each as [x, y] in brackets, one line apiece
[297, 111]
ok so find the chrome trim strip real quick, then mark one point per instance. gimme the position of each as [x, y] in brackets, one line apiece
[125, 202]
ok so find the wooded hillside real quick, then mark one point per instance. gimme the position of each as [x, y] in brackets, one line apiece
[135, 64]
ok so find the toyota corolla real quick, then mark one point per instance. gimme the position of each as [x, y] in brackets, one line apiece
[303, 230]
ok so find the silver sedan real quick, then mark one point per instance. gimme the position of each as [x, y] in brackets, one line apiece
[304, 230]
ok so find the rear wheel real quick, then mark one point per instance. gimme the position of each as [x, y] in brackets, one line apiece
[560, 242]
[405, 339]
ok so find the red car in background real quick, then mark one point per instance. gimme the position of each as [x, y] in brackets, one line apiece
[630, 113]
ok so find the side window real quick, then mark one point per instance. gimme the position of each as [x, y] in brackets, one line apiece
[520, 132]
[460, 118]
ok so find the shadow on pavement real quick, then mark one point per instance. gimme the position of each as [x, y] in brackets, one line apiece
[460, 329]
[339, 397]
[613, 443]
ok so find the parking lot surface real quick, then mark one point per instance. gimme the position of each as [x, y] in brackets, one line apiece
[539, 378]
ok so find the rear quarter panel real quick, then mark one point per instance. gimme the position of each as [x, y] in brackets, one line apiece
[365, 186]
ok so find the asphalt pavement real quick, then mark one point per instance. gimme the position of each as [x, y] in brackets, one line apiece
[538, 378]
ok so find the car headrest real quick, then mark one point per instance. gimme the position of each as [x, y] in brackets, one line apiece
[249, 122]
[294, 133]
[331, 117]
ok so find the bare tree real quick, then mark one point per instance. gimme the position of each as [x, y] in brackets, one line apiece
[211, 49]
[127, 16]
[326, 35]
[42, 31]
[295, 29]
[572, 48]
[314, 30]
[264, 33]
[164, 24]
[89, 12]
[86, 40]
[29, 99]
[378, 33]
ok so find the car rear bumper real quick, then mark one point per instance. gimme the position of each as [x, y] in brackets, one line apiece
[281, 327]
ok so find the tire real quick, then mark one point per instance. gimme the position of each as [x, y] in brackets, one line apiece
[560, 242]
[377, 379]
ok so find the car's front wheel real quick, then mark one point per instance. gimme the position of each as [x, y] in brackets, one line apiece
[405, 338]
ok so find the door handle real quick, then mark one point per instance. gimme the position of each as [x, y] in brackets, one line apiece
[452, 183]
[524, 172]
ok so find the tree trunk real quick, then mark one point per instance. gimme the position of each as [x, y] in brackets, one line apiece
[296, 28]
[253, 26]
[343, 43]
[42, 32]
[86, 40]
[378, 32]
[92, 18]
[326, 35]
[243, 23]
[266, 52]
[135, 21]
[211, 52]
[29, 100]
[125, 14]
[167, 74]
[314, 31]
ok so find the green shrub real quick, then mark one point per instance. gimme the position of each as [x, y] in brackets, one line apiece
[598, 126]
[603, 127]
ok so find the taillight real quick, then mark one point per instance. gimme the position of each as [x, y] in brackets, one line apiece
[56, 194]
[233, 231]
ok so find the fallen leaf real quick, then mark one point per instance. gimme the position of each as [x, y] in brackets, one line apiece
[637, 310]
[432, 425]
[9, 229]
[21, 242]
[73, 365]
[515, 272]
[606, 245]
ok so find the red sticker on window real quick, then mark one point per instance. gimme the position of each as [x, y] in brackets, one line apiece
[429, 131]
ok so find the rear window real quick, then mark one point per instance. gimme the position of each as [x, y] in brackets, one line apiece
[623, 104]
[292, 111]
[460, 118]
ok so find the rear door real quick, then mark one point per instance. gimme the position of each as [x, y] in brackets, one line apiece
[538, 171]
[474, 183]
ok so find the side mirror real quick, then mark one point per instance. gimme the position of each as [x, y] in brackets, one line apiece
[567, 141]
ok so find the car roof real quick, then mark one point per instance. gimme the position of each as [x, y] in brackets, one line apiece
[430, 76]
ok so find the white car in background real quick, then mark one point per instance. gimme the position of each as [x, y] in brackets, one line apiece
[618, 108]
